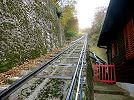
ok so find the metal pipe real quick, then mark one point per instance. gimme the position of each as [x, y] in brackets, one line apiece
[69, 95]
[79, 81]
[80, 74]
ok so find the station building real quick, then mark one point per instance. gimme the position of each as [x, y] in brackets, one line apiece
[117, 36]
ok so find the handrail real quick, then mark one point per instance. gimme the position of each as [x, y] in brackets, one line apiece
[70, 92]
[79, 80]
[79, 86]
[97, 59]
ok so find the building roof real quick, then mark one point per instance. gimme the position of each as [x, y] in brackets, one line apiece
[117, 15]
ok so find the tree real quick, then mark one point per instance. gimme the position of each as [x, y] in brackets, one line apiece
[95, 30]
[71, 28]
[68, 21]
[97, 25]
[67, 14]
[67, 18]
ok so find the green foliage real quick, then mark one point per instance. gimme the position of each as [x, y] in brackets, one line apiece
[68, 21]
[54, 90]
[71, 28]
[13, 58]
[67, 14]
[10, 60]
[7, 25]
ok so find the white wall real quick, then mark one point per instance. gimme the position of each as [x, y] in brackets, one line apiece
[128, 87]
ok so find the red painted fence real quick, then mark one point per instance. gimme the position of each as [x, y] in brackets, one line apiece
[104, 73]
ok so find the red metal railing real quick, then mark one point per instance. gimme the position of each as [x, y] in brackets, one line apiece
[104, 73]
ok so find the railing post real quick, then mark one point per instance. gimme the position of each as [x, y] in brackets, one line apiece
[106, 73]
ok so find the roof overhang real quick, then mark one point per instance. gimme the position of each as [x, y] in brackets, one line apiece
[117, 15]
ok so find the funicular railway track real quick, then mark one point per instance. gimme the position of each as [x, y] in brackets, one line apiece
[58, 79]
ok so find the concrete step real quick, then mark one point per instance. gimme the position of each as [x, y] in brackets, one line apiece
[98, 96]
[105, 88]
[103, 91]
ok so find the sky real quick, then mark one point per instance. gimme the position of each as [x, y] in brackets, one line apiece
[86, 11]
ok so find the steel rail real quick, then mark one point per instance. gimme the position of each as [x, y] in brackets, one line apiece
[79, 80]
[5, 93]
[69, 95]
[80, 74]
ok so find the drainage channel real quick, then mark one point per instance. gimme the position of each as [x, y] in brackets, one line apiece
[50, 82]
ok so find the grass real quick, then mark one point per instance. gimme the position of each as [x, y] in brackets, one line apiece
[54, 90]
[100, 52]
[12, 59]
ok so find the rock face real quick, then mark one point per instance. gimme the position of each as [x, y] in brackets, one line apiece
[28, 28]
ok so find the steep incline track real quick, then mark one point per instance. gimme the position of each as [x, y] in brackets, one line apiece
[55, 80]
